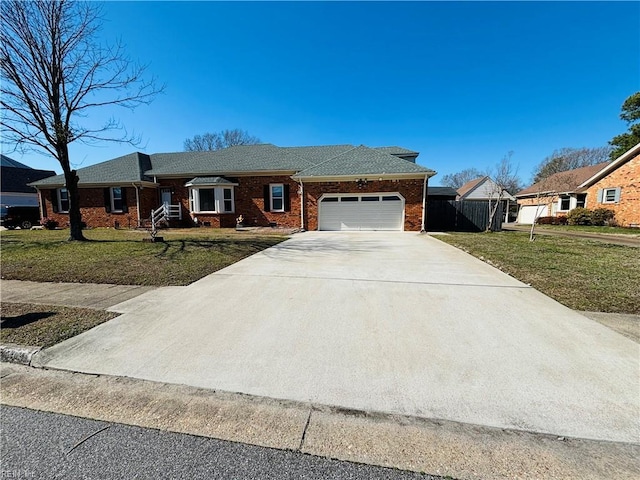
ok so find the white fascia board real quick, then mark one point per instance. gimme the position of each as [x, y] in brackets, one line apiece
[625, 157]
[369, 177]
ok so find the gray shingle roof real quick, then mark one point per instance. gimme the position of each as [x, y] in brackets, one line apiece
[441, 191]
[11, 163]
[127, 169]
[330, 160]
[209, 181]
[396, 150]
[362, 161]
[17, 180]
[240, 158]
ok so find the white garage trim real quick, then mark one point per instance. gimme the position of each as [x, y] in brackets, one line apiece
[529, 213]
[361, 211]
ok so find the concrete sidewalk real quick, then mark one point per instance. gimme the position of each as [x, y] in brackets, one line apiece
[84, 295]
[434, 447]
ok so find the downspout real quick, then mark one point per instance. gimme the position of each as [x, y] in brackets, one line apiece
[301, 205]
[423, 229]
[138, 204]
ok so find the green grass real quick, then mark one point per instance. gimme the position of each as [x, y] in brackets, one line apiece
[121, 257]
[46, 325]
[591, 229]
[581, 274]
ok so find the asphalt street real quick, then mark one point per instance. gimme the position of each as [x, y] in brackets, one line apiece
[48, 445]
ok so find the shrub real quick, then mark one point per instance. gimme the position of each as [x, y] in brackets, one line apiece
[49, 223]
[559, 220]
[602, 216]
[579, 216]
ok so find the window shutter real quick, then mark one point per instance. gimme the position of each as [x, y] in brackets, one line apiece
[287, 198]
[617, 199]
[125, 207]
[107, 200]
[267, 198]
[54, 200]
[600, 193]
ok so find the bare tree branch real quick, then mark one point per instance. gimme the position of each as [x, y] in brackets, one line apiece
[54, 72]
[219, 140]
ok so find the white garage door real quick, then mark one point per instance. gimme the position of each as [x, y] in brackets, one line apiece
[528, 213]
[384, 211]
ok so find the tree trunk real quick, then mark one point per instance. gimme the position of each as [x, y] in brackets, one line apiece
[71, 180]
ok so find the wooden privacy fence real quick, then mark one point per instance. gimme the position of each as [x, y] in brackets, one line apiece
[461, 216]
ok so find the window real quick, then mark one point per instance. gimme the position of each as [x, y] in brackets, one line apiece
[116, 199]
[565, 203]
[228, 200]
[610, 195]
[211, 200]
[277, 197]
[391, 198]
[581, 200]
[370, 199]
[330, 200]
[349, 199]
[63, 200]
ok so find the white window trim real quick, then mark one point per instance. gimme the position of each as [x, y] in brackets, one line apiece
[571, 203]
[271, 197]
[218, 199]
[604, 195]
[59, 193]
[112, 199]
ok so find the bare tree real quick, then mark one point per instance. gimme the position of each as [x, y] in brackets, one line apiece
[505, 178]
[456, 180]
[549, 189]
[569, 159]
[54, 73]
[219, 140]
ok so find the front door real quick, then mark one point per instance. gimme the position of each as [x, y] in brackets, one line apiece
[165, 196]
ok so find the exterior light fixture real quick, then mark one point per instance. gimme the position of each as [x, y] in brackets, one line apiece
[361, 182]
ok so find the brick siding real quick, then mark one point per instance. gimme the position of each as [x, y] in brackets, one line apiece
[627, 177]
[249, 202]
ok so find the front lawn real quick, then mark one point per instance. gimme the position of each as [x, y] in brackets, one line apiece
[46, 325]
[591, 229]
[581, 274]
[121, 257]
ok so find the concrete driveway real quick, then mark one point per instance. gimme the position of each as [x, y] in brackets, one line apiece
[391, 322]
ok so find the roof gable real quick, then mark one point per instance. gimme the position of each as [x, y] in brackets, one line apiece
[563, 182]
[362, 161]
[629, 155]
[126, 169]
[470, 186]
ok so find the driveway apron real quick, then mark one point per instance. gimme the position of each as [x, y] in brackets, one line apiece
[389, 322]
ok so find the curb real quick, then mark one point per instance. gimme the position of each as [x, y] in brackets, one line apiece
[17, 353]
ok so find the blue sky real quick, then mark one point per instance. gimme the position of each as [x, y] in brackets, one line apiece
[463, 83]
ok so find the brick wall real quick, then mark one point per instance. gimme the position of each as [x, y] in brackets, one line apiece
[92, 207]
[627, 177]
[249, 202]
[411, 190]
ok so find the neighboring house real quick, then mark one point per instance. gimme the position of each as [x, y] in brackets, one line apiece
[336, 187]
[15, 178]
[617, 187]
[485, 189]
[555, 195]
[482, 188]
